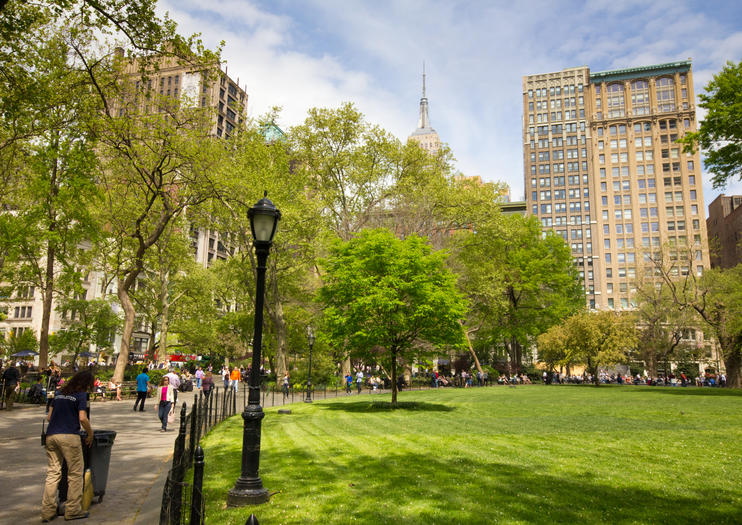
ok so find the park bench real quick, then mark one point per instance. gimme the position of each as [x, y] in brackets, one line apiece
[128, 389]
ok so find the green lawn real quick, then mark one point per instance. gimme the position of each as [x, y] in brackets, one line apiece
[531, 454]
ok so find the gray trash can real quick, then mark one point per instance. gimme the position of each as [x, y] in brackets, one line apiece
[98, 459]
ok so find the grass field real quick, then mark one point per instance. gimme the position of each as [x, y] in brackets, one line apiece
[531, 454]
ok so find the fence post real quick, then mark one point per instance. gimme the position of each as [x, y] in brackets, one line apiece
[252, 520]
[199, 419]
[197, 500]
[178, 470]
[234, 403]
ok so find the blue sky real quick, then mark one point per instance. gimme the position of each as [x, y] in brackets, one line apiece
[311, 53]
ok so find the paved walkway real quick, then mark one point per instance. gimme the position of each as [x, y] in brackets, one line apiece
[140, 459]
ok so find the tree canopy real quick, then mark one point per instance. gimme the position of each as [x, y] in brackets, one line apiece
[388, 299]
[720, 133]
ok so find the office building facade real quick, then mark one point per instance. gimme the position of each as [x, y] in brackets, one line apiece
[603, 171]
[724, 225]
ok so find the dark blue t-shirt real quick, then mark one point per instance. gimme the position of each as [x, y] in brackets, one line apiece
[142, 380]
[66, 413]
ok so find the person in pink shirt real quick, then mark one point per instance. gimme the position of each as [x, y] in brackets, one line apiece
[167, 398]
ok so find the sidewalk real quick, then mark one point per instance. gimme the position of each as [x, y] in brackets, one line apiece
[140, 454]
[140, 458]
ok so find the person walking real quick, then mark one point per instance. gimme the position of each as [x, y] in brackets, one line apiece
[174, 378]
[234, 378]
[66, 415]
[348, 383]
[199, 377]
[225, 377]
[166, 395]
[286, 384]
[142, 389]
[359, 381]
[207, 385]
[11, 378]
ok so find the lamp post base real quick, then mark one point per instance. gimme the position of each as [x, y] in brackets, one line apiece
[241, 497]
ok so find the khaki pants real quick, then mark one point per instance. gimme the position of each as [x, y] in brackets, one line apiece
[9, 393]
[63, 447]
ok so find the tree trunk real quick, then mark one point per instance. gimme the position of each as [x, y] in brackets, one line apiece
[394, 377]
[279, 322]
[129, 313]
[471, 350]
[652, 365]
[732, 362]
[165, 319]
[594, 371]
[346, 366]
[47, 296]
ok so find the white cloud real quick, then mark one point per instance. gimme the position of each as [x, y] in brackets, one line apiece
[322, 53]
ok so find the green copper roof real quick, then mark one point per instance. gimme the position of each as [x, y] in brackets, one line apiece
[639, 72]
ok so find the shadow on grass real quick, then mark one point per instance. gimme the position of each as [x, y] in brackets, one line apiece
[693, 391]
[418, 488]
[386, 406]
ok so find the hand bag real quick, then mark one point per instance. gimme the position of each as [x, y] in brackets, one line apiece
[171, 415]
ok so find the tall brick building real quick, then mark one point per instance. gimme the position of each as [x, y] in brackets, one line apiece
[602, 170]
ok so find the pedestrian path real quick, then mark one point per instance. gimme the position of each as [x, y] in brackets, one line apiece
[140, 454]
[140, 458]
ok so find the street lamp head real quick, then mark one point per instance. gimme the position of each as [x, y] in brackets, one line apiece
[310, 335]
[264, 217]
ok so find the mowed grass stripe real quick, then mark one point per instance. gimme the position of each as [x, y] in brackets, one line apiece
[522, 455]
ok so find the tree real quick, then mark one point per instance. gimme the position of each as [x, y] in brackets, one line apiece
[85, 323]
[26, 340]
[387, 299]
[720, 134]
[716, 296]
[661, 324]
[596, 339]
[53, 187]
[518, 280]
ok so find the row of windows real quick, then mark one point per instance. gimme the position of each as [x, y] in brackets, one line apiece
[569, 102]
[561, 220]
[556, 116]
[562, 207]
[557, 142]
[555, 91]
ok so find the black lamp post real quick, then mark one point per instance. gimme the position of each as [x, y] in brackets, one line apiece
[310, 337]
[248, 489]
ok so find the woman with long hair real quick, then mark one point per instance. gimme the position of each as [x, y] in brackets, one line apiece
[67, 413]
[167, 398]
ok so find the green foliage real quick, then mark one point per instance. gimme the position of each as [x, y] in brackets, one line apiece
[518, 280]
[386, 298]
[85, 323]
[595, 339]
[25, 341]
[720, 133]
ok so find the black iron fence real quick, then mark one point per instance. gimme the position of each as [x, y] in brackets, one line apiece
[183, 502]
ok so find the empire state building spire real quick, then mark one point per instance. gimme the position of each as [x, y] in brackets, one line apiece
[424, 121]
[425, 135]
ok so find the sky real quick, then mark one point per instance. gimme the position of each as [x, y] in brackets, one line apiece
[321, 53]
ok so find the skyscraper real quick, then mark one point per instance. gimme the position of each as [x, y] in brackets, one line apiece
[425, 135]
[602, 170]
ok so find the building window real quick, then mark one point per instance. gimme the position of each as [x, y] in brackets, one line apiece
[665, 94]
[640, 97]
